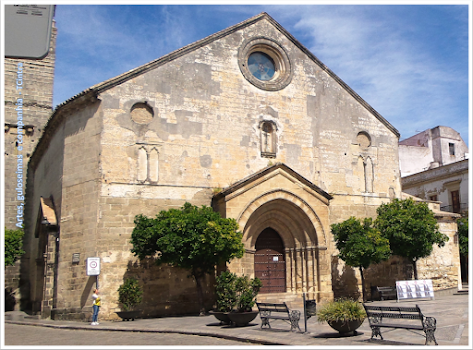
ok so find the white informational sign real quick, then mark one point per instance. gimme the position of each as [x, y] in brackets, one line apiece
[414, 289]
[93, 266]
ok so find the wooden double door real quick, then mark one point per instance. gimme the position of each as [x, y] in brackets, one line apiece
[270, 264]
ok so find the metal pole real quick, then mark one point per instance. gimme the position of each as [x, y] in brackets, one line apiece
[97, 281]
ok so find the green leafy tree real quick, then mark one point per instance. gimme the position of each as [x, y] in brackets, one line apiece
[463, 234]
[360, 244]
[13, 246]
[411, 228]
[192, 238]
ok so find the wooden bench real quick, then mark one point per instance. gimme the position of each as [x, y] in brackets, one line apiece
[410, 318]
[387, 292]
[270, 311]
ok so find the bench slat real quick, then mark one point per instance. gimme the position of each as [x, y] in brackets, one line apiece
[392, 308]
[400, 316]
[277, 317]
[394, 325]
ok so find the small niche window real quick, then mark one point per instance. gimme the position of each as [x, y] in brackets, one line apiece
[451, 149]
[268, 140]
[433, 197]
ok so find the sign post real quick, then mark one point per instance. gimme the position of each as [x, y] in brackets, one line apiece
[93, 269]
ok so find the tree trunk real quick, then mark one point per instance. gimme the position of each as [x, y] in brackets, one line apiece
[414, 265]
[200, 293]
[362, 284]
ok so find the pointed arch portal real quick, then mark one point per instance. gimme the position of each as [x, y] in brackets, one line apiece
[284, 221]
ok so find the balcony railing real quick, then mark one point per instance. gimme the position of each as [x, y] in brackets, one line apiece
[463, 207]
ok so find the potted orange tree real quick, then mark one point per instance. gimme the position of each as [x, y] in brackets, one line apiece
[130, 294]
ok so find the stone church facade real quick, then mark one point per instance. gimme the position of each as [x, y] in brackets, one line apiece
[246, 120]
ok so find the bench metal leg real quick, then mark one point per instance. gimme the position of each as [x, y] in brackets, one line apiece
[265, 322]
[375, 331]
[430, 326]
[294, 318]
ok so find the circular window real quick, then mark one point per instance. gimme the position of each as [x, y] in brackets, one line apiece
[363, 139]
[141, 113]
[261, 66]
[265, 64]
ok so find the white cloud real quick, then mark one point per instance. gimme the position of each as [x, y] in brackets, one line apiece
[383, 60]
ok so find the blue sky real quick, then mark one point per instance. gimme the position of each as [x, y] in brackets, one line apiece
[409, 62]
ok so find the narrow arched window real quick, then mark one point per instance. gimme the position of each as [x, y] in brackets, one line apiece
[368, 175]
[153, 165]
[142, 165]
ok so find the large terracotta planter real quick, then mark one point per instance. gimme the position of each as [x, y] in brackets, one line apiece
[344, 327]
[242, 318]
[128, 315]
[221, 316]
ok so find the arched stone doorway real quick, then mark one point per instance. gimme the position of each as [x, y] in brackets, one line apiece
[270, 264]
[277, 199]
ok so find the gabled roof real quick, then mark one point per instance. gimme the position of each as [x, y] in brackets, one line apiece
[266, 171]
[92, 92]
[98, 88]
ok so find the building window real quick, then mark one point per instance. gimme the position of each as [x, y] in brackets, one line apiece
[433, 198]
[265, 64]
[141, 113]
[455, 195]
[261, 66]
[363, 139]
[148, 165]
[451, 149]
[142, 164]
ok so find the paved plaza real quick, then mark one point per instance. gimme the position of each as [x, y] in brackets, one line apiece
[451, 311]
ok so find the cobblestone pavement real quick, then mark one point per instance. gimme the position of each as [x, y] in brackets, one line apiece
[39, 336]
[451, 311]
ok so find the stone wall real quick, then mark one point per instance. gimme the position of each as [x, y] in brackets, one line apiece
[205, 121]
[166, 290]
[12, 290]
